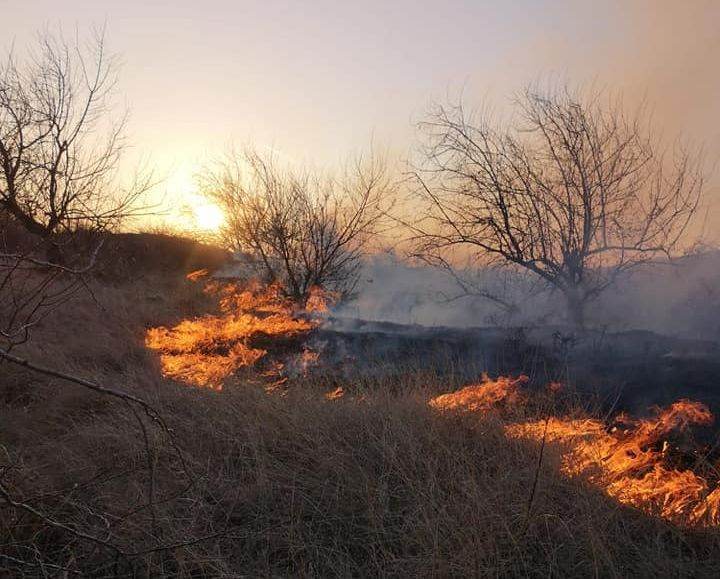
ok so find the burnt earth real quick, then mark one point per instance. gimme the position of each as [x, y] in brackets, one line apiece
[631, 370]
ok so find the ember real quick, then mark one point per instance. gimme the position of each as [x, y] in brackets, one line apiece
[335, 394]
[197, 274]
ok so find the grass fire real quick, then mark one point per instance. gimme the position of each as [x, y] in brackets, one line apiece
[317, 308]
[253, 320]
[638, 462]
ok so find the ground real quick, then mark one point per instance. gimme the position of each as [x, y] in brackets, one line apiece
[292, 482]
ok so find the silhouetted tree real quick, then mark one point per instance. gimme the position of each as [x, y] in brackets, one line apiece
[574, 190]
[59, 155]
[302, 229]
[59, 146]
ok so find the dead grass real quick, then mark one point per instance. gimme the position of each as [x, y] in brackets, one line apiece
[374, 483]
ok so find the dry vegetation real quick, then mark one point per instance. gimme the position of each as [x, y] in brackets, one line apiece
[138, 436]
[375, 482]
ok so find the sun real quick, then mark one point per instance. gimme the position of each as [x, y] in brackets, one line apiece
[208, 217]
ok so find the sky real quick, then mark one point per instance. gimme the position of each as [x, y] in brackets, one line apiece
[318, 81]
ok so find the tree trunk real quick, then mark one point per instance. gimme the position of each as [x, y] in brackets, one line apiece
[575, 308]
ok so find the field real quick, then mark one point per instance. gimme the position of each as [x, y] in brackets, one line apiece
[318, 474]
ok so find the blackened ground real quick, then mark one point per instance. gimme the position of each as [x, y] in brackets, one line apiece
[630, 370]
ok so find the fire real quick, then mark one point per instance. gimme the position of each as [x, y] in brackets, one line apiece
[630, 461]
[484, 395]
[631, 464]
[319, 300]
[204, 351]
[197, 274]
[308, 358]
[335, 394]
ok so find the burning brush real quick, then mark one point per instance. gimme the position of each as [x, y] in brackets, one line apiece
[254, 320]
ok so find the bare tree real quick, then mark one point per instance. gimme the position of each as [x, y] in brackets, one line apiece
[59, 153]
[575, 191]
[59, 145]
[302, 229]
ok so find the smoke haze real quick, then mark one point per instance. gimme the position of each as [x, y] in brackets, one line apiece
[282, 75]
[679, 299]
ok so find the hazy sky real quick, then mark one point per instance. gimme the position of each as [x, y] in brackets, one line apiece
[318, 79]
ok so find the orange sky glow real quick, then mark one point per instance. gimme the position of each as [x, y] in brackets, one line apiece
[318, 81]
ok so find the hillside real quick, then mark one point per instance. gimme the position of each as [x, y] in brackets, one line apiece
[320, 474]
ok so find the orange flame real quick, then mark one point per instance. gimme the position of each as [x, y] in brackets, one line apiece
[484, 395]
[630, 464]
[308, 358]
[335, 394]
[197, 274]
[320, 300]
[206, 350]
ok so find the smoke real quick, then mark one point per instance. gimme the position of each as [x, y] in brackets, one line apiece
[661, 52]
[678, 299]
[681, 298]
[394, 290]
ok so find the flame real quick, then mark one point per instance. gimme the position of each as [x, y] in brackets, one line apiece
[554, 387]
[482, 396]
[629, 461]
[308, 358]
[197, 274]
[204, 351]
[630, 464]
[320, 300]
[335, 394]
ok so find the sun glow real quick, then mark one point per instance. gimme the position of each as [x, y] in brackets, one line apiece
[208, 217]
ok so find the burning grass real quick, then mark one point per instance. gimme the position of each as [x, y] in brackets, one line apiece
[253, 318]
[484, 395]
[650, 463]
[337, 477]
[633, 463]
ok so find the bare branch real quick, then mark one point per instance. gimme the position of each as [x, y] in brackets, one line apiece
[299, 228]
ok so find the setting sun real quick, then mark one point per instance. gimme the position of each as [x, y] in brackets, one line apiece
[209, 217]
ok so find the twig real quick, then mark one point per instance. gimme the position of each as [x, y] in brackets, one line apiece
[531, 498]
[40, 564]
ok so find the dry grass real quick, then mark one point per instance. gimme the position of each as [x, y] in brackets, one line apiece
[374, 483]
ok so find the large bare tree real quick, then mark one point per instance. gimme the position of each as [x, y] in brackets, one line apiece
[574, 189]
[300, 228]
[59, 152]
[59, 143]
